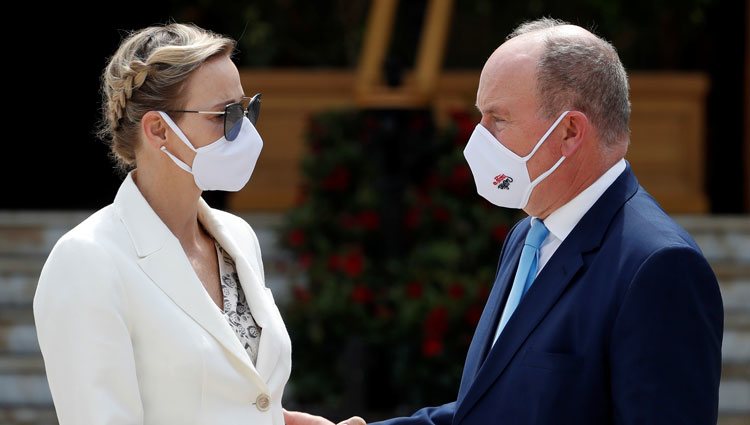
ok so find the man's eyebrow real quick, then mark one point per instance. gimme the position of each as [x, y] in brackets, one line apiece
[494, 110]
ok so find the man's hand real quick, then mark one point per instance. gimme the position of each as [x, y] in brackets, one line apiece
[299, 418]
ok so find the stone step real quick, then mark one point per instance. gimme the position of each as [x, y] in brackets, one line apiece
[17, 288]
[736, 346]
[24, 390]
[30, 265]
[17, 331]
[733, 419]
[35, 232]
[31, 415]
[734, 396]
[21, 364]
[722, 238]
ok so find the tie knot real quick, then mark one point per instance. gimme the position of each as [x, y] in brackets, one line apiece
[537, 234]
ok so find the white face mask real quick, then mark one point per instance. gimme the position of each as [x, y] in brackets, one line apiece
[221, 165]
[501, 176]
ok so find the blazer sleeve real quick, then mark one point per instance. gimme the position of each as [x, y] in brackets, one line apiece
[441, 415]
[666, 342]
[79, 311]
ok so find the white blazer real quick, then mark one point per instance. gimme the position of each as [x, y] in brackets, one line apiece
[130, 336]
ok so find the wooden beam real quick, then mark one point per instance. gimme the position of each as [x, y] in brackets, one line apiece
[667, 124]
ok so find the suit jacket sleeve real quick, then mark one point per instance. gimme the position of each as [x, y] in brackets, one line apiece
[666, 342]
[441, 415]
[79, 310]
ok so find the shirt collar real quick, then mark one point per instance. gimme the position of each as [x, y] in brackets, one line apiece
[563, 220]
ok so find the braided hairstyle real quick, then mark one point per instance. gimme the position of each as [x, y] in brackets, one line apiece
[147, 73]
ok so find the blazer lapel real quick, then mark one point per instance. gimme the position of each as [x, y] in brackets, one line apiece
[162, 258]
[259, 301]
[549, 285]
[485, 333]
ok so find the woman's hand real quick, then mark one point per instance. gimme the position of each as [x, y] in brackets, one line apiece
[299, 418]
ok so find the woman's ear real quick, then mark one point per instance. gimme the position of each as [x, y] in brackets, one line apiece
[154, 129]
[575, 126]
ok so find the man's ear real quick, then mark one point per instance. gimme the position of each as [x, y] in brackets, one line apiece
[154, 129]
[575, 127]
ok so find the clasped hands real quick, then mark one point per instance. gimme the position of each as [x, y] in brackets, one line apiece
[299, 418]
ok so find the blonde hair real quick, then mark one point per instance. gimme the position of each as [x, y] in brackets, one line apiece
[147, 73]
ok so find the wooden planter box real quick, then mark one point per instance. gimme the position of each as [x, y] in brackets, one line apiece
[667, 140]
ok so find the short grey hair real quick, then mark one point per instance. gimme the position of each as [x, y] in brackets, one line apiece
[584, 74]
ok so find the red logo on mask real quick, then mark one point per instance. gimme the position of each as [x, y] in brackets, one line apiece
[502, 181]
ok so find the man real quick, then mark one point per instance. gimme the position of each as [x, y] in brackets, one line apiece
[604, 311]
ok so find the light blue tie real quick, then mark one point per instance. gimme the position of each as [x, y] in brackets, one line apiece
[527, 268]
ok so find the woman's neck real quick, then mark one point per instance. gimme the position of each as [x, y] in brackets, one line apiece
[174, 199]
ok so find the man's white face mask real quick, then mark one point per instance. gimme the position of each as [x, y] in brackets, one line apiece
[223, 164]
[501, 176]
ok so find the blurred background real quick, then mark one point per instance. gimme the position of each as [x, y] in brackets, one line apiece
[376, 246]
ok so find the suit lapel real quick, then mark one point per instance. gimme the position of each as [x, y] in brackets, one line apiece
[547, 289]
[253, 285]
[487, 325]
[162, 258]
[540, 298]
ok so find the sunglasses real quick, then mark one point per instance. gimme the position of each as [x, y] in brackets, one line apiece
[233, 114]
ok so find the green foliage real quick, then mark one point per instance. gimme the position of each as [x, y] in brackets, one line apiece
[396, 256]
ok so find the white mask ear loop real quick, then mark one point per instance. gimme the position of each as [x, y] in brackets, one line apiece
[549, 131]
[182, 137]
[544, 175]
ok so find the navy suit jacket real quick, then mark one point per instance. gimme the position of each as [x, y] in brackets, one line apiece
[622, 326]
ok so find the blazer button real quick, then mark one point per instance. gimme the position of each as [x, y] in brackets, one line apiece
[263, 402]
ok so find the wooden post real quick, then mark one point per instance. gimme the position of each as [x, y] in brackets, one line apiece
[416, 93]
[377, 39]
[432, 47]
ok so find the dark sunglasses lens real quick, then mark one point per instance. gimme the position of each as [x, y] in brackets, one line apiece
[233, 121]
[253, 109]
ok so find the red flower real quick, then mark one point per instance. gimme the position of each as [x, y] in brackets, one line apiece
[473, 314]
[348, 222]
[371, 123]
[302, 294]
[436, 323]
[353, 264]
[369, 220]
[441, 214]
[466, 124]
[456, 291]
[337, 180]
[417, 123]
[413, 218]
[361, 294]
[305, 260]
[414, 290]
[432, 181]
[500, 232]
[296, 237]
[334, 262]
[383, 312]
[459, 177]
[432, 347]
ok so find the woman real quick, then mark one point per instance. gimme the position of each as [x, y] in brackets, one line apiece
[154, 310]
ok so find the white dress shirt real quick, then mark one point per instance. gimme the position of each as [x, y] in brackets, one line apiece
[564, 219]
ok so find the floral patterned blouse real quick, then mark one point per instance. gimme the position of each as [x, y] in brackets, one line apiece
[236, 309]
